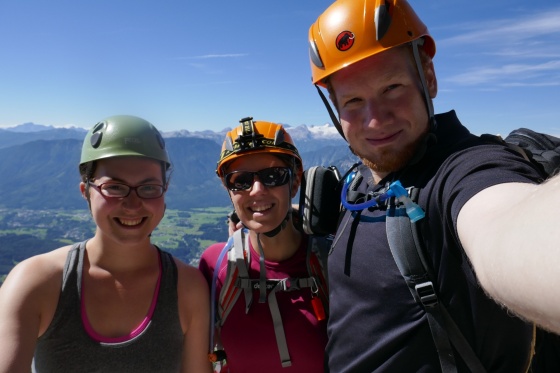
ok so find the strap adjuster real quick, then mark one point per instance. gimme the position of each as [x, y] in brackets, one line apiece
[289, 284]
[426, 294]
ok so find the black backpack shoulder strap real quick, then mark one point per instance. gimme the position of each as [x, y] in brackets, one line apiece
[407, 249]
[318, 248]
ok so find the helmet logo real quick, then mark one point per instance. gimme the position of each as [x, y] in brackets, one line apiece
[345, 41]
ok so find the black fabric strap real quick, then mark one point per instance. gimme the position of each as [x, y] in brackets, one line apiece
[334, 119]
[409, 258]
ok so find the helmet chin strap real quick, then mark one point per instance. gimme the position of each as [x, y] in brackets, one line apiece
[428, 100]
[279, 228]
[88, 177]
[330, 110]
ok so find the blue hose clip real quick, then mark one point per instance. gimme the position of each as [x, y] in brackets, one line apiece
[413, 211]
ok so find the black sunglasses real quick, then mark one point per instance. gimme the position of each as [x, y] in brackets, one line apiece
[269, 177]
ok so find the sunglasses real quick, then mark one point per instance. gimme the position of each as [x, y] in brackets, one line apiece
[269, 177]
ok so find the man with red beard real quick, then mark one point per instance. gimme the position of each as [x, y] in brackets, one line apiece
[488, 226]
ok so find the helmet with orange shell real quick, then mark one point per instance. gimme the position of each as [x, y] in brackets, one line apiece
[256, 137]
[349, 31]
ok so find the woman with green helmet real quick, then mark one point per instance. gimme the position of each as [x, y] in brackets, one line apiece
[274, 304]
[115, 302]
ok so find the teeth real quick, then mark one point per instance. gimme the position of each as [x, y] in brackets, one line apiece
[261, 208]
[130, 222]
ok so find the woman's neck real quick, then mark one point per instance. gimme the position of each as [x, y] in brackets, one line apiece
[280, 247]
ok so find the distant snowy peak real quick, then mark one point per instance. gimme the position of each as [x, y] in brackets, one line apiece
[300, 133]
[304, 132]
[29, 127]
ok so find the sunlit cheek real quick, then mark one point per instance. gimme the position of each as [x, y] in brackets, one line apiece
[235, 199]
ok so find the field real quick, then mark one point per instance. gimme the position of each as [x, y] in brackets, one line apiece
[24, 233]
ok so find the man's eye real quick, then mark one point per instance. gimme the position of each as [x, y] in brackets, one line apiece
[352, 101]
[392, 87]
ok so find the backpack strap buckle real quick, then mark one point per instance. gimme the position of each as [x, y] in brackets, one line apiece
[426, 294]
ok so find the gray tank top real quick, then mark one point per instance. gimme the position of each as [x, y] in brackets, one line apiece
[66, 346]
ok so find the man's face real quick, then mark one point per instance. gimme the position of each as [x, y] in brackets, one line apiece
[382, 109]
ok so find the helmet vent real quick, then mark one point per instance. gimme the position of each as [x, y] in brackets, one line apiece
[95, 139]
[314, 55]
[98, 127]
[382, 20]
[278, 137]
[229, 144]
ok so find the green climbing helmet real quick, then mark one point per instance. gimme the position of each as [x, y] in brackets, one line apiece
[123, 135]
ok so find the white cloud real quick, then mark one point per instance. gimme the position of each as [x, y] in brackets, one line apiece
[509, 31]
[503, 48]
[512, 74]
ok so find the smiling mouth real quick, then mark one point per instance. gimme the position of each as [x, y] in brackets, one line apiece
[261, 208]
[130, 222]
[384, 140]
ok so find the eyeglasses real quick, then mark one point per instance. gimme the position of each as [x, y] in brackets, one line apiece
[118, 190]
[269, 177]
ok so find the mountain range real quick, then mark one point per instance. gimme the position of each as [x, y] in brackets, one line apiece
[39, 164]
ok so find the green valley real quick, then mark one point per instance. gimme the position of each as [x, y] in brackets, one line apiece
[24, 233]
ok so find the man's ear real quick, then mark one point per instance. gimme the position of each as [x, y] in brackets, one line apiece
[431, 80]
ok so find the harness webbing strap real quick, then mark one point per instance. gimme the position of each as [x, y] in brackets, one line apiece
[213, 307]
[408, 257]
[262, 272]
[240, 247]
[287, 284]
[279, 327]
[238, 279]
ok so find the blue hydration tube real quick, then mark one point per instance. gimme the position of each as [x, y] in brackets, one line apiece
[396, 190]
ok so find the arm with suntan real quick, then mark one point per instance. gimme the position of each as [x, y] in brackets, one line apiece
[28, 299]
[194, 305]
[511, 235]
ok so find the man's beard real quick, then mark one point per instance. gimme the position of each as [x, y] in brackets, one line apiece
[392, 160]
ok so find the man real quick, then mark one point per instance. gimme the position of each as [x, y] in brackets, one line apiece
[489, 230]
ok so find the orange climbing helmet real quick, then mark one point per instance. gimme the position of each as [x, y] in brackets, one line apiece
[253, 137]
[351, 30]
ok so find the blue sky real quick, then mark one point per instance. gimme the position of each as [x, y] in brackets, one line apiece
[199, 65]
